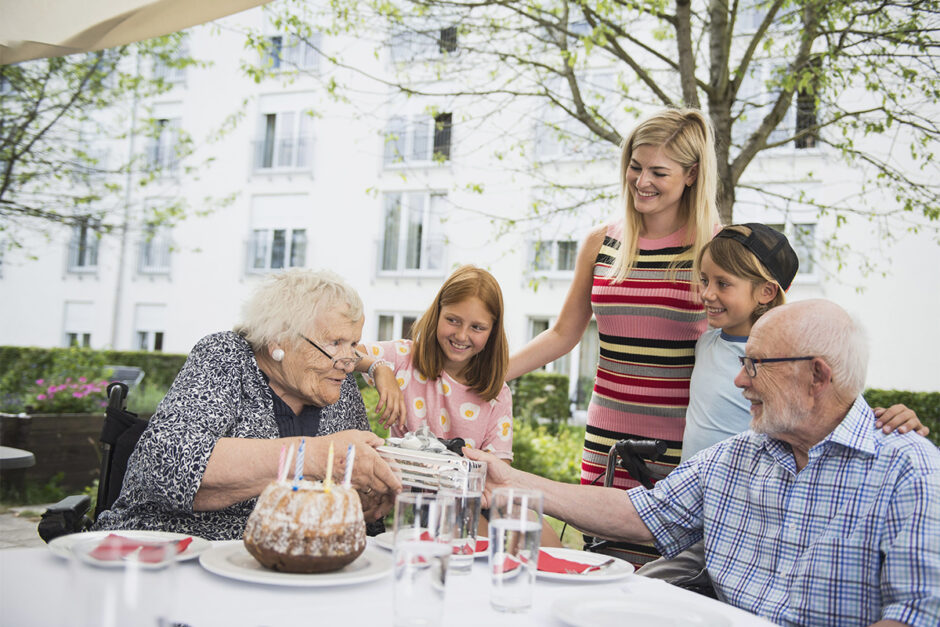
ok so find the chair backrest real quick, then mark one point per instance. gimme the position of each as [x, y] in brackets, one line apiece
[119, 436]
[128, 375]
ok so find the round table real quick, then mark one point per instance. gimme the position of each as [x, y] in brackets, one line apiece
[15, 458]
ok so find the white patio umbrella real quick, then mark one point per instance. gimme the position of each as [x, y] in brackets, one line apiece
[31, 29]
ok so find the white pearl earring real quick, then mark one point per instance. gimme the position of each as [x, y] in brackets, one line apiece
[277, 354]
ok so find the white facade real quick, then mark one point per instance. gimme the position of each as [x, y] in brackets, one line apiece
[314, 191]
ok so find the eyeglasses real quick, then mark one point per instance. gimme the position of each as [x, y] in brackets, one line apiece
[341, 363]
[750, 363]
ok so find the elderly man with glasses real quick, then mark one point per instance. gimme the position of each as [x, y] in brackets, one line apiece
[283, 374]
[813, 516]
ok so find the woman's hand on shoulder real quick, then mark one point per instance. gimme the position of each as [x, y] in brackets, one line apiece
[391, 407]
[901, 418]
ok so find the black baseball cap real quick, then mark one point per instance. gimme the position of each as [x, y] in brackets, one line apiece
[771, 248]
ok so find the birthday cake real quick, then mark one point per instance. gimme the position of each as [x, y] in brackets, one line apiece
[304, 527]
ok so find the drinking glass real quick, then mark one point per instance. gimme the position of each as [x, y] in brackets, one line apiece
[515, 535]
[424, 529]
[138, 589]
[466, 487]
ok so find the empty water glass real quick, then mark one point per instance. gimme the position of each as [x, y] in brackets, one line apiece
[515, 535]
[424, 529]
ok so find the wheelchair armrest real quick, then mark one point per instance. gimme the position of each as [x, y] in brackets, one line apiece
[65, 517]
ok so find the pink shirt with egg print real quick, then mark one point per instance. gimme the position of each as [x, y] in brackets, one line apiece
[451, 409]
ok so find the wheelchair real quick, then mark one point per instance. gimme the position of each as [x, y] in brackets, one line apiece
[119, 436]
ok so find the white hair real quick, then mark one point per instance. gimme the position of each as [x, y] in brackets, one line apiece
[827, 331]
[287, 303]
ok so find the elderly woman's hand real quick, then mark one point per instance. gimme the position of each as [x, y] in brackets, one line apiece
[391, 406]
[373, 479]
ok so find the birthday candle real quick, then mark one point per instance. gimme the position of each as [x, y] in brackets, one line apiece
[299, 466]
[287, 461]
[280, 462]
[350, 458]
[328, 481]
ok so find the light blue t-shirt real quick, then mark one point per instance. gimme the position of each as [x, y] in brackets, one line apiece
[717, 410]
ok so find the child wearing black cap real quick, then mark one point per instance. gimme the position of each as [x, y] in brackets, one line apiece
[744, 272]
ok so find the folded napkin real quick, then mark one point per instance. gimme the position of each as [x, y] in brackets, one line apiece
[481, 545]
[550, 564]
[115, 547]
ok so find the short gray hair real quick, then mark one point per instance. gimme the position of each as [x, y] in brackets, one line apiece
[287, 302]
[824, 329]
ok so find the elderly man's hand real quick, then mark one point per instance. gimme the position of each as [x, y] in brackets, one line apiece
[498, 473]
[899, 417]
[371, 476]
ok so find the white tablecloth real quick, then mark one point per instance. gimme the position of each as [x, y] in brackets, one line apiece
[35, 590]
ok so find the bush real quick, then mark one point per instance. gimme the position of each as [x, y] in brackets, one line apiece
[925, 404]
[549, 451]
[540, 396]
[21, 367]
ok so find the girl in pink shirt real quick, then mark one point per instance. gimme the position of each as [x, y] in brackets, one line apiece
[452, 373]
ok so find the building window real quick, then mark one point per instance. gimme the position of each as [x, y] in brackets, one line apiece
[562, 364]
[150, 341]
[285, 141]
[78, 339]
[83, 248]
[154, 250]
[395, 326]
[414, 45]
[171, 70]
[554, 255]
[161, 149]
[802, 238]
[79, 322]
[757, 95]
[558, 135]
[274, 249]
[149, 322]
[418, 139]
[413, 235]
[283, 52]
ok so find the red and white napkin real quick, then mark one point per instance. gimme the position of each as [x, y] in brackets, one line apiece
[115, 547]
[551, 564]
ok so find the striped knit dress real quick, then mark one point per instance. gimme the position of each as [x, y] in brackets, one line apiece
[648, 325]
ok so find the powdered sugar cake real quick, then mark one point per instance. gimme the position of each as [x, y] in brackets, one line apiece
[307, 530]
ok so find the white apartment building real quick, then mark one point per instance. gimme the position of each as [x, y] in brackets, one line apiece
[394, 217]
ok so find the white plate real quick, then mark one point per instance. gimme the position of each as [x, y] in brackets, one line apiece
[617, 611]
[232, 560]
[386, 541]
[62, 546]
[617, 570]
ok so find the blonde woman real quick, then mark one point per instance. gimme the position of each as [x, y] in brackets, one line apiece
[635, 276]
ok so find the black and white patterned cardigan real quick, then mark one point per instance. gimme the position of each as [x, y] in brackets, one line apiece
[219, 393]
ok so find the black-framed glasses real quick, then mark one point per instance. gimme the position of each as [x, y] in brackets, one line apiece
[342, 363]
[750, 363]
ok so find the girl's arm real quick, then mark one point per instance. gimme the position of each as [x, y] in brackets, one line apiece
[391, 405]
[573, 318]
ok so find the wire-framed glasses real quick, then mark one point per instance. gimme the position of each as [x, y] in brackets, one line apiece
[342, 363]
[750, 363]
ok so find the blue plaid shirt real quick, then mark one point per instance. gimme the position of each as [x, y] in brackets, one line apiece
[851, 539]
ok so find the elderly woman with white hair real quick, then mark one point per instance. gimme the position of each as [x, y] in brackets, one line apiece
[284, 373]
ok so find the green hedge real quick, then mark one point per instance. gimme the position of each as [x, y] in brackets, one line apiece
[21, 366]
[540, 397]
[925, 404]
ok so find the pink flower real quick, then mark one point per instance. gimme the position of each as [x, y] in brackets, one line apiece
[82, 379]
[40, 382]
[76, 395]
[41, 397]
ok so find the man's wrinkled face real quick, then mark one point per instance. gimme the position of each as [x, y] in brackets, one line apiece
[777, 404]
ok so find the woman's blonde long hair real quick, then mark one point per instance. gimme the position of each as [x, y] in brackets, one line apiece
[486, 371]
[687, 138]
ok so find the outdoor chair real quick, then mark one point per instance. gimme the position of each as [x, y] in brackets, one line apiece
[119, 436]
